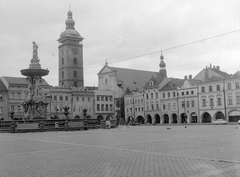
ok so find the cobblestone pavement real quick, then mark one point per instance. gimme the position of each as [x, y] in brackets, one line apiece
[137, 151]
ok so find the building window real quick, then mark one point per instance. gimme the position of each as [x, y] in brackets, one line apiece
[152, 106]
[147, 96]
[62, 61]
[163, 95]
[192, 102]
[110, 98]
[106, 98]
[204, 102]
[74, 61]
[151, 95]
[229, 86]
[88, 99]
[169, 106]
[183, 104]
[157, 107]
[142, 109]
[151, 83]
[174, 106]
[83, 99]
[187, 104]
[102, 107]
[12, 96]
[237, 85]
[168, 95]
[106, 107]
[192, 92]
[55, 97]
[98, 98]
[182, 93]
[218, 87]
[238, 99]
[77, 98]
[62, 74]
[210, 88]
[164, 107]
[230, 100]
[139, 109]
[156, 94]
[61, 98]
[130, 110]
[127, 110]
[211, 102]
[219, 101]
[111, 107]
[75, 84]
[98, 107]
[1, 110]
[102, 98]
[66, 98]
[74, 73]
[187, 93]
[135, 109]
[203, 89]
[174, 94]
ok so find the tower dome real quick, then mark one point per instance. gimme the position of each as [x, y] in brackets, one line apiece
[162, 65]
[70, 27]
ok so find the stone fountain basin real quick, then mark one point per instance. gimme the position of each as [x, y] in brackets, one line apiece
[34, 72]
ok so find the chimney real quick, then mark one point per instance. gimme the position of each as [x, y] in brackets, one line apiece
[185, 77]
[190, 76]
[210, 65]
[218, 68]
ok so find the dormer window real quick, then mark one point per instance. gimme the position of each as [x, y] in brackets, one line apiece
[151, 83]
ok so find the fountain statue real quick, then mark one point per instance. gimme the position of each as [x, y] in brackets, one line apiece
[35, 104]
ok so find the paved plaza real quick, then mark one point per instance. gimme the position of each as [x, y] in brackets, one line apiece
[137, 151]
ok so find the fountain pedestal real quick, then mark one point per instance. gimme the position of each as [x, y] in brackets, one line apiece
[35, 104]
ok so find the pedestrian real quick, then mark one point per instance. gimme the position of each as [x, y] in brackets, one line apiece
[108, 124]
[56, 126]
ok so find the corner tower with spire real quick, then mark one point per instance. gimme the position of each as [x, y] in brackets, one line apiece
[70, 55]
[162, 65]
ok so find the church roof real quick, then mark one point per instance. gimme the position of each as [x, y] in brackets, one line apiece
[156, 81]
[133, 79]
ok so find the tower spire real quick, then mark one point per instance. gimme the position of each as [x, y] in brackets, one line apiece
[162, 66]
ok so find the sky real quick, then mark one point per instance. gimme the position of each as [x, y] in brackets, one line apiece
[126, 34]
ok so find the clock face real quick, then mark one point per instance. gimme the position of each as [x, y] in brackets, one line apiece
[74, 50]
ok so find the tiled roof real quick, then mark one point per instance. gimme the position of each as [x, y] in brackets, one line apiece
[157, 80]
[21, 81]
[223, 74]
[133, 79]
[2, 86]
[173, 84]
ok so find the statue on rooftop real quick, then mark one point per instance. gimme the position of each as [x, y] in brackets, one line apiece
[35, 50]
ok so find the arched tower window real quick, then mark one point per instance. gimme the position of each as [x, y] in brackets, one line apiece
[74, 61]
[75, 83]
[62, 74]
[62, 61]
[74, 73]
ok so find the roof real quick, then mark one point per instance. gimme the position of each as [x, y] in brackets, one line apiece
[192, 82]
[173, 84]
[21, 81]
[2, 86]
[156, 81]
[236, 75]
[206, 73]
[133, 79]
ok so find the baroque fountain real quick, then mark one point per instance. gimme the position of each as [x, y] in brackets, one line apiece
[35, 104]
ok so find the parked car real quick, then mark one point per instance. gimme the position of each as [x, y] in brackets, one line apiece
[239, 121]
[219, 122]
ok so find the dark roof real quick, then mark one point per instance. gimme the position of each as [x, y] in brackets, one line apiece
[173, 84]
[21, 81]
[133, 79]
[157, 81]
[2, 86]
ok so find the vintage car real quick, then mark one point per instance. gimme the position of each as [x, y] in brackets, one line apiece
[219, 122]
